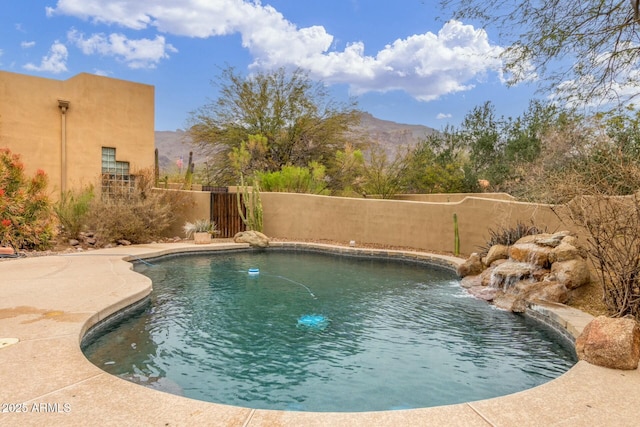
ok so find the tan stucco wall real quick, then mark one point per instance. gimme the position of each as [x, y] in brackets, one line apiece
[450, 197]
[103, 112]
[421, 225]
[196, 205]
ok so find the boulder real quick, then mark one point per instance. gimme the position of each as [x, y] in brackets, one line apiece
[572, 273]
[471, 266]
[564, 252]
[486, 293]
[612, 343]
[471, 281]
[544, 291]
[253, 238]
[495, 253]
[510, 302]
[507, 274]
[6, 250]
[530, 253]
[486, 277]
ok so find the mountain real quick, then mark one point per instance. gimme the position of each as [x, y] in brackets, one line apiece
[390, 135]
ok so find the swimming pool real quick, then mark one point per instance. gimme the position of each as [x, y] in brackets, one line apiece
[396, 335]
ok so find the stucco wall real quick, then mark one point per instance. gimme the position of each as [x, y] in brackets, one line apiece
[103, 112]
[194, 205]
[422, 225]
[450, 197]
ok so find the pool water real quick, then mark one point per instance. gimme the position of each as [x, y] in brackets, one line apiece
[321, 332]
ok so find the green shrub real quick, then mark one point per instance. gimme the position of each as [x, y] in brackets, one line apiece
[72, 210]
[295, 179]
[26, 220]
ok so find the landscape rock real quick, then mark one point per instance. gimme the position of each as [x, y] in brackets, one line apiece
[572, 273]
[471, 267]
[540, 267]
[471, 281]
[564, 252]
[486, 277]
[510, 302]
[612, 343]
[486, 293]
[123, 242]
[253, 238]
[495, 253]
[74, 242]
[542, 291]
[507, 274]
[530, 253]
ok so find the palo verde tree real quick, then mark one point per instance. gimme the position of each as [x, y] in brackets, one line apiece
[585, 50]
[270, 119]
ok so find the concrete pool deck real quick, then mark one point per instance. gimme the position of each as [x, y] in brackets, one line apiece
[48, 303]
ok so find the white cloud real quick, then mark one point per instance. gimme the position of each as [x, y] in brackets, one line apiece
[101, 73]
[427, 66]
[442, 116]
[141, 53]
[27, 45]
[54, 61]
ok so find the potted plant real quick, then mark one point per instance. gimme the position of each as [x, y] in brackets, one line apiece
[201, 230]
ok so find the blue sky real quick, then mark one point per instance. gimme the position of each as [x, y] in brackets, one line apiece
[397, 58]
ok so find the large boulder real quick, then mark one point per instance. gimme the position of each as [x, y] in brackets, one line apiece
[472, 266]
[496, 252]
[542, 291]
[612, 343]
[531, 253]
[510, 302]
[564, 252]
[572, 273]
[508, 273]
[253, 238]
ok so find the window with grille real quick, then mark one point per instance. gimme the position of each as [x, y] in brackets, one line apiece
[116, 179]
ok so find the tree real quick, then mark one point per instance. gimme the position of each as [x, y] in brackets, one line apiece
[282, 117]
[587, 50]
[440, 164]
[384, 176]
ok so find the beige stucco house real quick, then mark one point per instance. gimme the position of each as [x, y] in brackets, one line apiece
[85, 130]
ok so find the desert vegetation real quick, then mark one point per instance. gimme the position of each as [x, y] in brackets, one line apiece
[26, 217]
[136, 213]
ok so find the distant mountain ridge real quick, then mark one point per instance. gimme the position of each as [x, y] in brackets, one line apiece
[390, 135]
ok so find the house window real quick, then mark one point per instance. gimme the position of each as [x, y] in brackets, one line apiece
[116, 179]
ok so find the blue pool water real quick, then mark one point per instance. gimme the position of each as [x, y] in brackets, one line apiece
[320, 332]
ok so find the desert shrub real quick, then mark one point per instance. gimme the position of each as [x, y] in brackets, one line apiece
[26, 220]
[72, 210]
[138, 214]
[611, 224]
[295, 179]
[509, 235]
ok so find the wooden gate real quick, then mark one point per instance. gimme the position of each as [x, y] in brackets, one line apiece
[224, 212]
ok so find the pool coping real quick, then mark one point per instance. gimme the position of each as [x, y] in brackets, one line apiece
[49, 303]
